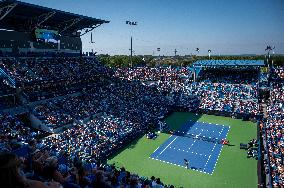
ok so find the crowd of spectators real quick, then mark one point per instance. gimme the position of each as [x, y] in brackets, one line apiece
[8, 101]
[232, 91]
[277, 74]
[165, 79]
[15, 69]
[52, 116]
[5, 88]
[27, 70]
[113, 110]
[13, 132]
[274, 128]
[230, 98]
[247, 107]
[263, 78]
[96, 138]
[48, 169]
[43, 78]
[144, 74]
[237, 75]
[116, 98]
[7, 94]
[51, 90]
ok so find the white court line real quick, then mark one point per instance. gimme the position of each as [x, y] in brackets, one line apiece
[213, 150]
[187, 151]
[192, 145]
[194, 140]
[160, 146]
[206, 162]
[196, 153]
[221, 131]
[168, 145]
[180, 165]
[214, 147]
[220, 150]
[217, 159]
[156, 149]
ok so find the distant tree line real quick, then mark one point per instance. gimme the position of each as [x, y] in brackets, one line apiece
[149, 60]
[121, 60]
[278, 60]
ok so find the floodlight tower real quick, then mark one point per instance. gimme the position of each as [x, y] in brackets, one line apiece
[197, 50]
[175, 52]
[131, 50]
[268, 49]
[209, 52]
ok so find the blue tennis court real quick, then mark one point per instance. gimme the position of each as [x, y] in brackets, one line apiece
[198, 142]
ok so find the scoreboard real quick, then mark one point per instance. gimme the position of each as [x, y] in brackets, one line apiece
[47, 35]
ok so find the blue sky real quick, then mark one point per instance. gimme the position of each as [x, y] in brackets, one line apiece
[224, 26]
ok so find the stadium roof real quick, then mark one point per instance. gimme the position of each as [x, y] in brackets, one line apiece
[229, 63]
[25, 17]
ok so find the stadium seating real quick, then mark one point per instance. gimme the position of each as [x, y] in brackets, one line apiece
[13, 131]
[230, 92]
[107, 108]
[274, 128]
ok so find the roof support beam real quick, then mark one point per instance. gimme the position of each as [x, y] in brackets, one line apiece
[41, 19]
[4, 11]
[90, 29]
[66, 25]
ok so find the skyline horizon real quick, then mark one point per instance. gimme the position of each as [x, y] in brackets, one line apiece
[227, 28]
[194, 54]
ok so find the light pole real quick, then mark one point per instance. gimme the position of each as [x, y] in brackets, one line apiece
[131, 50]
[175, 52]
[273, 52]
[268, 49]
[209, 52]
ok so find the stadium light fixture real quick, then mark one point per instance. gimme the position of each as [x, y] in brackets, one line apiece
[131, 23]
[209, 52]
[197, 49]
[158, 50]
[268, 49]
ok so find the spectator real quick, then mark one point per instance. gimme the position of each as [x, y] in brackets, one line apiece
[11, 178]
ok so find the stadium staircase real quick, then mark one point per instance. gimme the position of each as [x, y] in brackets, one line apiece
[265, 156]
[264, 110]
[11, 81]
